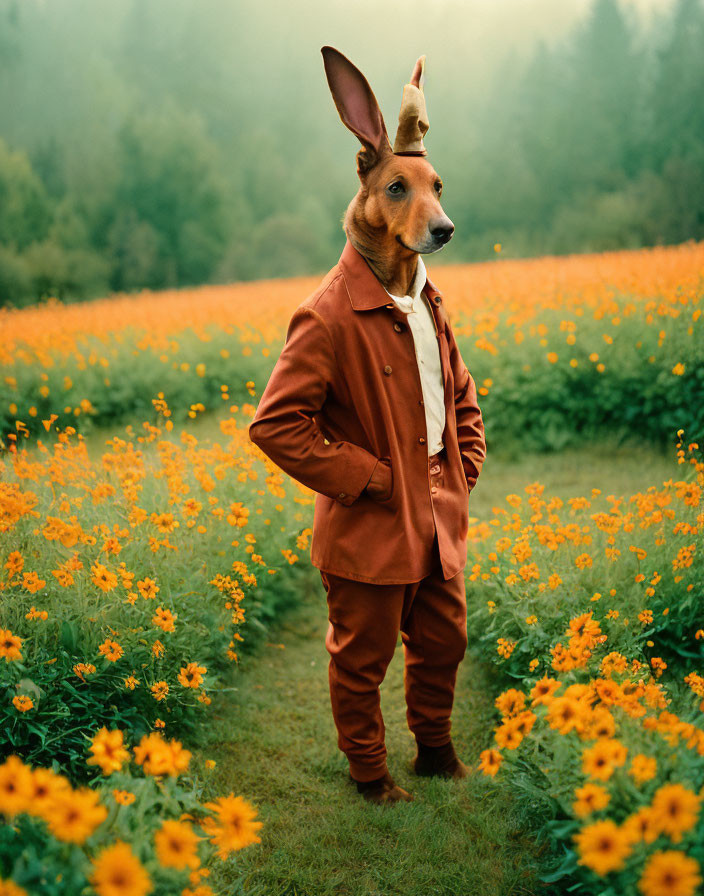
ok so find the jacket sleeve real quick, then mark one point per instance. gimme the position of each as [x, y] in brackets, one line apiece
[283, 426]
[470, 426]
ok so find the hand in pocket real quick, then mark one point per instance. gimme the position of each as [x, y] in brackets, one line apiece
[380, 485]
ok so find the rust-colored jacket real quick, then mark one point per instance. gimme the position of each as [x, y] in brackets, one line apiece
[344, 393]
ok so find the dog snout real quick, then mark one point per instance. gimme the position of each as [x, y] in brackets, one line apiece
[441, 231]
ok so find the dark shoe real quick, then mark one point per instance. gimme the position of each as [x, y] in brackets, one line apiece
[439, 761]
[382, 790]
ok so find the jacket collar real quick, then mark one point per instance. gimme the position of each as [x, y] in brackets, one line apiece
[363, 286]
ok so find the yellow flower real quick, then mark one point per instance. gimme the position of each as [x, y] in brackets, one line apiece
[510, 703]
[10, 888]
[15, 786]
[177, 845]
[505, 647]
[490, 762]
[118, 872]
[15, 563]
[235, 827]
[111, 650]
[670, 873]
[641, 825]
[73, 815]
[108, 751]
[83, 669]
[543, 690]
[102, 577]
[509, 736]
[603, 846]
[590, 798]
[46, 784]
[191, 675]
[148, 588]
[10, 646]
[601, 759]
[22, 703]
[164, 619]
[675, 809]
[159, 690]
[159, 757]
[565, 714]
[642, 768]
[123, 797]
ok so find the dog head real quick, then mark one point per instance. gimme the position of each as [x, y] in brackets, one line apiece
[400, 191]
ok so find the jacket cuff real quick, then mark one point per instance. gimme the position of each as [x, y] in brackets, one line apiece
[357, 486]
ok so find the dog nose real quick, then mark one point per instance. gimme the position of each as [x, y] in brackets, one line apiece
[443, 233]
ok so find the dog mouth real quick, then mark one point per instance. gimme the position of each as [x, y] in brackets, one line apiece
[398, 239]
[428, 248]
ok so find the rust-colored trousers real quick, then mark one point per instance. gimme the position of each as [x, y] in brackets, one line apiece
[365, 621]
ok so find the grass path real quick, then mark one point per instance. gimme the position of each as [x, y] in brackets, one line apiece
[274, 742]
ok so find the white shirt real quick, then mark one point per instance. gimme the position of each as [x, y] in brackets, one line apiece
[421, 322]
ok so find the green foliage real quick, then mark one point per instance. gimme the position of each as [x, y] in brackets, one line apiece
[547, 406]
[66, 623]
[46, 861]
[604, 603]
[192, 172]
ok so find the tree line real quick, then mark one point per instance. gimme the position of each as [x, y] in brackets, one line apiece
[137, 152]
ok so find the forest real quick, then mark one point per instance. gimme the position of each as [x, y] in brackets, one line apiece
[160, 144]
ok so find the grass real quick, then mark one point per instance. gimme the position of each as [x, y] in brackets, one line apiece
[274, 742]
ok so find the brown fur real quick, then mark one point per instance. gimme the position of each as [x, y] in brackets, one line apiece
[388, 229]
[383, 228]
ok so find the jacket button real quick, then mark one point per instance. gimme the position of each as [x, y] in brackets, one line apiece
[387, 370]
[420, 401]
[398, 327]
[437, 300]
[421, 440]
[342, 495]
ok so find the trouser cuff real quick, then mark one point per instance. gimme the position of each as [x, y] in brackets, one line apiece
[361, 772]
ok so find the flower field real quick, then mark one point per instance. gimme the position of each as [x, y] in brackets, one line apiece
[127, 578]
[136, 571]
[561, 347]
[593, 611]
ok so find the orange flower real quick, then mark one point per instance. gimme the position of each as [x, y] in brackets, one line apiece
[191, 675]
[148, 588]
[10, 646]
[490, 762]
[111, 650]
[108, 751]
[23, 703]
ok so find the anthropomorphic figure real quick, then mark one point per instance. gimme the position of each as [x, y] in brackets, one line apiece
[371, 405]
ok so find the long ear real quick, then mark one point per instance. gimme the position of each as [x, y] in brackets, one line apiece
[358, 107]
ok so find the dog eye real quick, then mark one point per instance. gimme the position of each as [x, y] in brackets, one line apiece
[396, 187]
[438, 186]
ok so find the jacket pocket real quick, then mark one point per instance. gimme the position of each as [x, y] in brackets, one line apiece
[378, 480]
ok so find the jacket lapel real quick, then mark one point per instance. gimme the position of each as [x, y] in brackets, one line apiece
[366, 292]
[364, 289]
